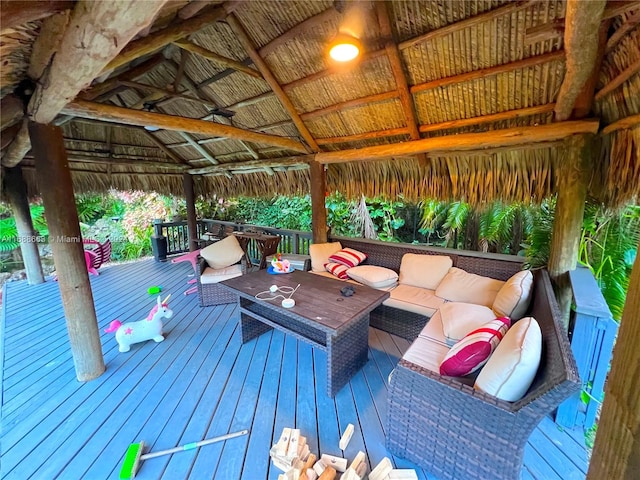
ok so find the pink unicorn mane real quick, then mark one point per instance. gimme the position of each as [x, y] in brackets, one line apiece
[154, 310]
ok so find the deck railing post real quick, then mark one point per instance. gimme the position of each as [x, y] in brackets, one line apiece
[158, 242]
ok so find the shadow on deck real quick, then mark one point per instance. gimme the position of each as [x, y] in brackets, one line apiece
[200, 382]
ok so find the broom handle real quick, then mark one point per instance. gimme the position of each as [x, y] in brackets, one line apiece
[191, 446]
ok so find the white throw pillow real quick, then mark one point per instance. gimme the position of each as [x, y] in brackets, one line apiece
[425, 271]
[458, 319]
[320, 253]
[373, 276]
[511, 369]
[223, 253]
[461, 286]
[513, 298]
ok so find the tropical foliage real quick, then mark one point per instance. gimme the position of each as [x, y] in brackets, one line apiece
[9, 233]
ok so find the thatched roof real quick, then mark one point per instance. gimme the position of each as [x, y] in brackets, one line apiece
[431, 70]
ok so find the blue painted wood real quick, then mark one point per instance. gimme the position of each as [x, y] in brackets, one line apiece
[199, 382]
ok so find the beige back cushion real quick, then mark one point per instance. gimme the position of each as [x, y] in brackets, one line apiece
[425, 271]
[461, 286]
[223, 253]
[513, 298]
[320, 253]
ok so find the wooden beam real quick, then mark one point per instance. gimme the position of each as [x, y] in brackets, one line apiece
[615, 8]
[161, 38]
[625, 75]
[8, 135]
[581, 46]
[318, 198]
[490, 71]
[11, 110]
[627, 26]
[358, 102]
[198, 148]
[106, 27]
[54, 180]
[101, 89]
[251, 101]
[104, 160]
[631, 121]
[18, 147]
[617, 446]
[494, 117]
[223, 74]
[166, 93]
[112, 114]
[14, 13]
[508, 9]
[545, 31]
[190, 200]
[250, 164]
[192, 8]
[220, 59]
[301, 28]
[47, 43]
[392, 132]
[463, 142]
[262, 66]
[184, 56]
[163, 147]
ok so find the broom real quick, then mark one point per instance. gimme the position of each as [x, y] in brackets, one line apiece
[134, 456]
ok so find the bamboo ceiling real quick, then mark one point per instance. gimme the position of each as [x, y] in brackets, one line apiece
[444, 69]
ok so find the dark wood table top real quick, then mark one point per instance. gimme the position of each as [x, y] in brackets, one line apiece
[318, 298]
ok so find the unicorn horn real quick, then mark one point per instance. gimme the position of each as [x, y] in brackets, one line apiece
[166, 299]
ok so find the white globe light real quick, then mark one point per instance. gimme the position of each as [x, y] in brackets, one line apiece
[344, 52]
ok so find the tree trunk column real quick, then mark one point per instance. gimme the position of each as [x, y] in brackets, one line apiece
[616, 453]
[54, 182]
[572, 178]
[192, 225]
[16, 191]
[318, 208]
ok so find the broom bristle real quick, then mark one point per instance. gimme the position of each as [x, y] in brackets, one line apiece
[131, 461]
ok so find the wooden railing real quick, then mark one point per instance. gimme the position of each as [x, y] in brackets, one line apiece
[171, 238]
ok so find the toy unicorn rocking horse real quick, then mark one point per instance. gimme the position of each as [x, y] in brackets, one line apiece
[148, 329]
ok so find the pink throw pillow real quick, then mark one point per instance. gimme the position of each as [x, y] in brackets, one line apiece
[337, 269]
[473, 351]
[348, 257]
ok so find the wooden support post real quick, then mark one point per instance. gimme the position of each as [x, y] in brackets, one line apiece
[192, 226]
[318, 209]
[16, 191]
[54, 179]
[616, 452]
[567, 225]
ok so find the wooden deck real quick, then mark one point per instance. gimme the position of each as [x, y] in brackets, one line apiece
[199, 382]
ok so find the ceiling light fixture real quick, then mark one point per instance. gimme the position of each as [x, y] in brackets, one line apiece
[149, 107]
[344, 48]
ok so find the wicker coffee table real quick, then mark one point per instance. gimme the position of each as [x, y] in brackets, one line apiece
[321, 317]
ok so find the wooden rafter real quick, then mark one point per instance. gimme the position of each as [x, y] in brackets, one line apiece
[223, 74]
[249, 164]
[112, 114]
[358, 102]
[392, 132]
[251, 100]
[11, 110]
[615, 8]
[166, 93]
[581, 46]
[625, 75]
[463, 142]
[184, 57]
[79, 158]
[631, 121]
[47, 43]
[220, 59]
[14, 13]
[201, 150]
[245, 41]
[627, 26]
[161, 38]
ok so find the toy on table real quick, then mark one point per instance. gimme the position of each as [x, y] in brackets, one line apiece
[148, 329]
[278, 265]
[154, 289]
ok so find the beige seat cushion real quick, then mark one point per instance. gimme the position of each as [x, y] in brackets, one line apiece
[458, 319]
[320, 253]
[433, 329]
[461, 286]
[414, 299]
[211, 275]
[427, 353]
[426, 271]
[223, 253]
[513, 298]
[374, 276]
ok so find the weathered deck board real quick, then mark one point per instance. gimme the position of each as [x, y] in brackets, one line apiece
[200, 382]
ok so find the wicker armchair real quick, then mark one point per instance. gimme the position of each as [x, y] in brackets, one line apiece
[456, 432]
[214, 293]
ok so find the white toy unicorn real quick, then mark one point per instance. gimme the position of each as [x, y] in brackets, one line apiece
[148, 329]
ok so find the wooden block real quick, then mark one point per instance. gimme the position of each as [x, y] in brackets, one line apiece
[303, 453]
[328, 474]
[280, 465]
[311, 474]
[319, 467]
[359, 460]
[308, 463]
[339, 463]
[346, 437]
[308, 467]
[362, 469]
[283, 443]
[350, 474]
[381, 470]
[292, 451]
[403, 474]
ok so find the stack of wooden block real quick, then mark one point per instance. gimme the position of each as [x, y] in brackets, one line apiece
[291, 455]
[385, 471]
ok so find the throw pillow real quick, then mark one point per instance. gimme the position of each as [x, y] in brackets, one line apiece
[223, 253]
[513, 298]
[373, 276]
[337, 269]
[473, 351]
[459, 318]
[424, 271]
[461, 286]
[511, 369]
[320, 252]
[348, 257]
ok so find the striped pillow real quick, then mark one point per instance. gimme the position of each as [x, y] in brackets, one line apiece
[337, 269]
[473, 351]
[348, 257]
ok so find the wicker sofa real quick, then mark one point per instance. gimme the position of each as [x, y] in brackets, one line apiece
[442, 423]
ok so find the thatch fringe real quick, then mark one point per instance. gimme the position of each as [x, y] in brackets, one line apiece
[290, 182]
[619, 169]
